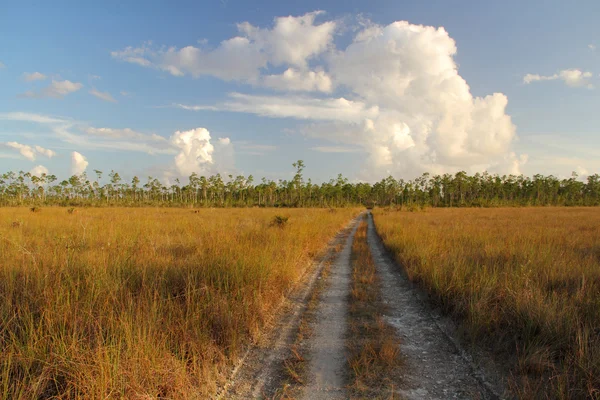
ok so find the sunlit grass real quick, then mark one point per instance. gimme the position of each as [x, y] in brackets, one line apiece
[526, 280]
[373, 348]
[142, 303]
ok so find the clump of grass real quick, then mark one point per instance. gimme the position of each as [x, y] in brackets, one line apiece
[16, 224]
[35, 209]
[373, 348]
[517, 279]
[72, 210]
[279, 221]
[141, 303]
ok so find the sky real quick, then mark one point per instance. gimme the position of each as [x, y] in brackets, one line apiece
[366, 89]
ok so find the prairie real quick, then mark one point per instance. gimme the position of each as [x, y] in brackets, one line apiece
[144, 302]
[525, 281]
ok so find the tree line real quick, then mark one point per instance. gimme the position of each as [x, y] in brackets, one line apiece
[448, 190]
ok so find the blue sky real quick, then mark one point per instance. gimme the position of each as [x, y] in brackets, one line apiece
[362, 95]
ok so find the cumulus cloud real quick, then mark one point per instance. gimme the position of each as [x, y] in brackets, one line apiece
[30, 152]
[38, 171]
[102, 95]
[292, 40]
[571, 77]
[398, 95]
[410, 110]
[196, 151]
[78, 163]
[57, 89]
[34, 76]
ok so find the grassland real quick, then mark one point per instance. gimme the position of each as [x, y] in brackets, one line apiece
[142, 303]
[525, 281]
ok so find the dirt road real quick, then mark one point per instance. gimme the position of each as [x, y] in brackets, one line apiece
[435, 366]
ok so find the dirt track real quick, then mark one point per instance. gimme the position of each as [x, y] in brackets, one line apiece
[435, 367]
[327, 355]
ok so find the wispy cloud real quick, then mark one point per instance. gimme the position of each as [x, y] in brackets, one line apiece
[196, 107]
[297, 107]
[81, 135]
[57, 89]
[34, 76]
[102, 95]
[571, 77]
[336, 149]
[251, 148]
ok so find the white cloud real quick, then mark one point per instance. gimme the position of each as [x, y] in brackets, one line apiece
[125, 133]
[57, 89]
[292, 40]
[34, 76]
[78, 163]
[400, 98]
[193, 149]
[300, 80]
[196, 107]
[571, 77]
[30, 152]
[592, 47]
[234, 59]
[195, 153]
[428, 120]
[26, 151]
[46, 152]
[300, 107]
[198, 154]
[39, 170]
[102, 95]
[30, 117]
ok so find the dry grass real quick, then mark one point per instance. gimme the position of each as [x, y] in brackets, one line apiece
[373, 348]
[526, 280]
[142, 303]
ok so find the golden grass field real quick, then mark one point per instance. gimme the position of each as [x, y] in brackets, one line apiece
[142, 303]
[525, 280]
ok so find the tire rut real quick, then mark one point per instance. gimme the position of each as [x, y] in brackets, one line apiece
[327, 368]
[258, 373]
[435, 365]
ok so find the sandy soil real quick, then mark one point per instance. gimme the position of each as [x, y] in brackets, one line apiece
[327, 355]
